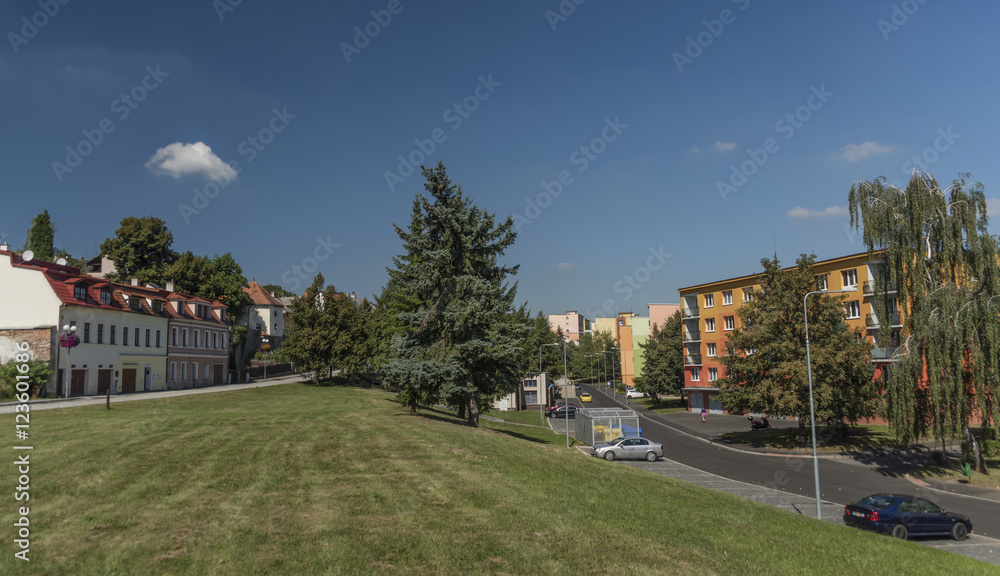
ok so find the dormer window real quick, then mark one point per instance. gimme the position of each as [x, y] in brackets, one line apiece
[80, 291]
[135, 303]
[158, 307]
[106, 297]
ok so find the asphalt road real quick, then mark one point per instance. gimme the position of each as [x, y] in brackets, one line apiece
[842, 480]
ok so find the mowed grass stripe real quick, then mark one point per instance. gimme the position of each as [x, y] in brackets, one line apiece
[296, 479]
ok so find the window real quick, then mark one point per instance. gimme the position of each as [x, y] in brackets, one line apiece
[696, 374]
[184, 337]
[173, 336]
[850, 277]
[134, 304]
[709, 300]
[100, 333]
[223, 341]
[111, 334]
[194, 371]
[730, 324]
[106, 296]
[713, 374]
[158, 339]
[195, 338]
[86, 332]
[157, 307]
[853, 309]
[184, 366]
[821, 283]
[80, 292]
[215, 340]
[173, 371]
[727, 297]
[125, 336]
[136, 339]
[710, 325]
[711, 349]
[147, 337]
[748, 294]
[750, 351]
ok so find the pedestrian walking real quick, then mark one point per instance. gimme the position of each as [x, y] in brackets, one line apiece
[703, 413]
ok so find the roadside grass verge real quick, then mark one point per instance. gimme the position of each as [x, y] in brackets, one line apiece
[297, 479]
[854, 438]
[952, 472]
[668, 405]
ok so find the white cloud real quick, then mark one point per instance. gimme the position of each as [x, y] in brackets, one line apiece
[694, 150]
[832, 211]
[565, 266]
[857, 152]
[993, 207]
[179, 160]
[724, 146]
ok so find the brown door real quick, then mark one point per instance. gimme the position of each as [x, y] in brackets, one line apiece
[103, 381]
[128, 380]
[218, 373]
[77, 378]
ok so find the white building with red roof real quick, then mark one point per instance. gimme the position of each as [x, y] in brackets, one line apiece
[265, 316]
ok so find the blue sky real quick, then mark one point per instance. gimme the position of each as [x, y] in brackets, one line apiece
[274, 130]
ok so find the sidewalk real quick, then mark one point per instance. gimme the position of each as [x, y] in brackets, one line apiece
[52, 403]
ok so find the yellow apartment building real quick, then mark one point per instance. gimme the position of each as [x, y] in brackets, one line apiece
[709, 314]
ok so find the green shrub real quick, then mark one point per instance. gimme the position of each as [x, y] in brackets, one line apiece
[38, 375]
[990, 448]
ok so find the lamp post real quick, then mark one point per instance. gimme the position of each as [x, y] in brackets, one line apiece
[541, 411]
[566, 390]
[812, 409]
[614, 379]
[68, 340]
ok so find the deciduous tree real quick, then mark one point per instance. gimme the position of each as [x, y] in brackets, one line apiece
[663, 373]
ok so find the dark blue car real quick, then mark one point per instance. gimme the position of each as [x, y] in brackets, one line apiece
[904, 516]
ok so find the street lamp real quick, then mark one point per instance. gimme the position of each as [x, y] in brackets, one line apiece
[68, 340]
[565, 383]
[812, 409]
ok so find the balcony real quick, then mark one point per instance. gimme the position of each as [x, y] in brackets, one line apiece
[884, 353]
[692, 336]
[872, 322]
[692, 360]
[869, 289]
[689, 313]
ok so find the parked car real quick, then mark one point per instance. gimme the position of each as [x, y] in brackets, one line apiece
[903, 516]
[586, 397]
[563, 411]
[635, 448]
[633, 393]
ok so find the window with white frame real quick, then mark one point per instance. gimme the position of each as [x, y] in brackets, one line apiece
[696, 374]
[821, 283]
[849, 277]
[710, 325]
[158, 341]
[111, 334]
[713, 374]
[748, 294]
[853, 309]
[730, 323]
[173, 371]
[194, 371]
[711, 349]
[727, 297]
[183, 371]
[136, 340]
[195, 338]
[184, 337]
[125, 336]
[709, 300]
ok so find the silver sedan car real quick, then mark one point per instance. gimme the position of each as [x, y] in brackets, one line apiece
[629, 449]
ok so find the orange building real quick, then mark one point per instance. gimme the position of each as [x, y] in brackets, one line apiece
[709, 313]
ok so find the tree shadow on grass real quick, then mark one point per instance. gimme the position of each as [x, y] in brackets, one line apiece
[518, 435]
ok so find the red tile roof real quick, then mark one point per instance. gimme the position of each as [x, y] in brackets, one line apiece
[259, 296]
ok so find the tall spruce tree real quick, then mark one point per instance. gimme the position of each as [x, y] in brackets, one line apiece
[765, 360]
[938, 265]
[41, 236]
[460, 345]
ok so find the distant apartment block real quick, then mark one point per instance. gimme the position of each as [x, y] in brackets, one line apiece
[572, 324]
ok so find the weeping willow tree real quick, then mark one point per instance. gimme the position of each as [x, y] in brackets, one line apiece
[938, 264]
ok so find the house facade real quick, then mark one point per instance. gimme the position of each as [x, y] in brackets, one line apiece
[266, 315]
[709, 316]
[572, 324]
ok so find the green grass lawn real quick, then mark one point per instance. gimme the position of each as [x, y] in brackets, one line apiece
[952, 472]
[300, 480]
[664, 405]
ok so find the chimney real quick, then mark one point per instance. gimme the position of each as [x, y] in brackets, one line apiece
[135, 281]
[170, 285]
[4, 246]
